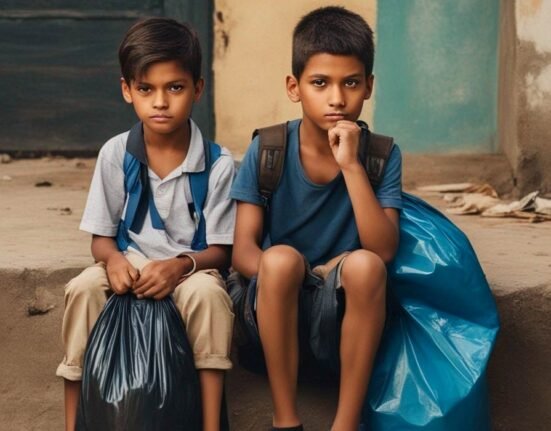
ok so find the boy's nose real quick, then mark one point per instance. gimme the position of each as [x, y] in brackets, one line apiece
[336, 97]
[160, 100]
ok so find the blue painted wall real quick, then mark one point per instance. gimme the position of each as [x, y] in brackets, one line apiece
[436, 74]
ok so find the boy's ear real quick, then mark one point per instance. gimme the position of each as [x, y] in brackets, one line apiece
[369, 86]
[126, 91]
[199, 87]
[292, 88]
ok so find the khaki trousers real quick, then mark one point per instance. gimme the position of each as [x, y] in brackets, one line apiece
[201, 299]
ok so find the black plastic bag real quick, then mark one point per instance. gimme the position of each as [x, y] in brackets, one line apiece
[138, 370]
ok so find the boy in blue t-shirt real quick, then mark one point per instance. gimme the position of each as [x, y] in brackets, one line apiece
[324, 214]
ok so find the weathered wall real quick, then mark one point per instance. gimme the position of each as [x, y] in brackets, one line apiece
[251, 60]
[59, 71]
[507, 100]
[436, 74]
[253, 56]
[526, 88]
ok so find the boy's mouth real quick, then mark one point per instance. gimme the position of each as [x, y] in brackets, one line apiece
[336, 116]
[160, 117]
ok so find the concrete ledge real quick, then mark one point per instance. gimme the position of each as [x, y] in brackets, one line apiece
[519, 371]
[520, 368]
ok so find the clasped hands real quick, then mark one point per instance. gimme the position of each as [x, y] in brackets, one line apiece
[156, 280]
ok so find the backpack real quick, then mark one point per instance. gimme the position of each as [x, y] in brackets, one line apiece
[374, 152]
[140, 198]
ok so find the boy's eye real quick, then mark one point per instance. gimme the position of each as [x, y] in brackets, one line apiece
[143, 89]
[318, 83]
[351, 83]
[176, 87]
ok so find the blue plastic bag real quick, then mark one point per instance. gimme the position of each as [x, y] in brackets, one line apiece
[138, 370]
[430, 371]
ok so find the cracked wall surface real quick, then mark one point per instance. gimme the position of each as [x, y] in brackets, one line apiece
[525, 92]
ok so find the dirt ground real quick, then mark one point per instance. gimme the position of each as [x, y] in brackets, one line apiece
[41, 248]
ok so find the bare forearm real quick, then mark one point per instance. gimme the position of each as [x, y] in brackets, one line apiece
[103, 247]
[377, 231]
[246, 259]
[248, 238]
[213, 257]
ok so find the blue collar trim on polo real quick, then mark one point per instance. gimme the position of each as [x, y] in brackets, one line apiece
[135, 144]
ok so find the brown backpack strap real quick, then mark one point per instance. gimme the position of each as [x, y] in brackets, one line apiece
[374, 152]
[271, 156]
[378, 152]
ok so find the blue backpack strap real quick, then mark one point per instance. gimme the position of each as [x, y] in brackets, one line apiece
[199, 184]
[138, 193]
[133, 191]
[140, 199]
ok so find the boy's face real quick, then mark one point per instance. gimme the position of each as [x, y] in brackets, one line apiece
[331, 88]
[163, 96]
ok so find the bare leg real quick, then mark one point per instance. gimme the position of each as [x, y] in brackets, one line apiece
[364, 278]
[280, 277]
[206, 309]
[72, 397]
[212, 385]
[85, 296]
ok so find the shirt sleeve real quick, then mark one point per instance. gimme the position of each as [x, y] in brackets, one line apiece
[389, 192]
[219, 208]
[245, 186]
[105, 203]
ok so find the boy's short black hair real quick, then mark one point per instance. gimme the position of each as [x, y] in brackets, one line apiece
[152, 40]
[332, 30]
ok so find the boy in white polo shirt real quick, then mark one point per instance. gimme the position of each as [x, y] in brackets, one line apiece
[151, 235]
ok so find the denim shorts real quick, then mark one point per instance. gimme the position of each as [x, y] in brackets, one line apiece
[321, 309]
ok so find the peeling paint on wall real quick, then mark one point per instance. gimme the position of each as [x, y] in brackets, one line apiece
[533, 21]
[538, 88]
[531, 159]
[222, 29]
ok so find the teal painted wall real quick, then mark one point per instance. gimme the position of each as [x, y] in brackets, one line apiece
[436, 74]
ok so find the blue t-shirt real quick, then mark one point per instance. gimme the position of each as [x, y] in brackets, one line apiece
[317, 220]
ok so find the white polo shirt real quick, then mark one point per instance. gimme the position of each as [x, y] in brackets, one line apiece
[106, 202]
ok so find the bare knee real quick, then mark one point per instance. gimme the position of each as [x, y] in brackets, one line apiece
[282, 269]
[283, 260]
[363, 275]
